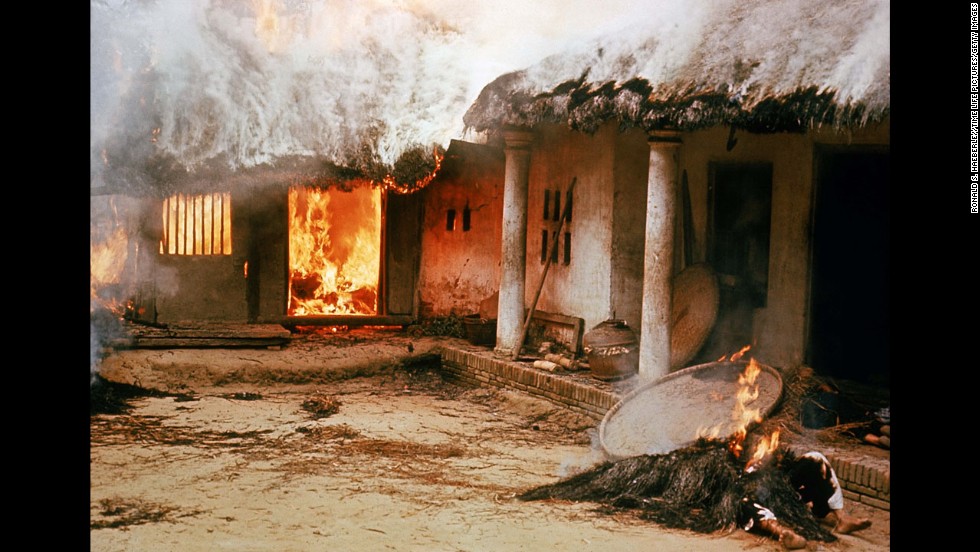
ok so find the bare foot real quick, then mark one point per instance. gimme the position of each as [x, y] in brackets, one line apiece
[791, 541]
[848, 525]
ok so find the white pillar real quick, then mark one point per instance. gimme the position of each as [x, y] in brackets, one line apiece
[658, 258]
[513, 242]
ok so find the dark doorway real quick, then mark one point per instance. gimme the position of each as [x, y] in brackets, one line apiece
[849, 286]
[740, 218]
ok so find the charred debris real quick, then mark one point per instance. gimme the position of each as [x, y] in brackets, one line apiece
[699, 488]
[109, 397]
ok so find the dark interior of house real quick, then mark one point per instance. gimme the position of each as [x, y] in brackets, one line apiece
[849, 320]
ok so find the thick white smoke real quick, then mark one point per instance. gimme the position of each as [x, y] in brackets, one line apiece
[244, 83]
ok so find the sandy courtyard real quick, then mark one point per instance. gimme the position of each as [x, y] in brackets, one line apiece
[394, 459]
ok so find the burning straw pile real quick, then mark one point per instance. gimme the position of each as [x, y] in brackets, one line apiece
[704, 486]
[700, 488]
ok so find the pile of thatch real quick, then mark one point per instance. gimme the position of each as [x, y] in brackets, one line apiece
[700, 488]
[119, 512]
[109, 397]
[321, 406]
[803, 392]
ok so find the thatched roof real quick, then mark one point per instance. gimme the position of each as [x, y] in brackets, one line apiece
[213, 94]
[216, 94]
[761, 65]
[160, 174]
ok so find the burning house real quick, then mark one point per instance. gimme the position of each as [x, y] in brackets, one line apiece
[256, 172]
[251, 170]
[243, 174]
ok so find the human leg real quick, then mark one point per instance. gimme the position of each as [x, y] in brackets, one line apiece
[817, 482]
[755, 515]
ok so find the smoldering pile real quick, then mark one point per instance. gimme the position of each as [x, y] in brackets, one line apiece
[699, 488]
[110, 397]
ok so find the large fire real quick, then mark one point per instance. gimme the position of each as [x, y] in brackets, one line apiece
[108, 259]
[334, 251]
[743, 414]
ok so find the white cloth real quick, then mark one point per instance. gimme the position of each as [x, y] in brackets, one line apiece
[836, 501]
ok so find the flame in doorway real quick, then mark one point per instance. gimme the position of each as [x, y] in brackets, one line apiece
[334, 251]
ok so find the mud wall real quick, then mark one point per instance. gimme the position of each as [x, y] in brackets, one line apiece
[604, 277]
[581, 287]
[461, 266]
[216, 287]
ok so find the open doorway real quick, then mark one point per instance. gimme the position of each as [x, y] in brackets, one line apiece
[848, 333]
[739, 223]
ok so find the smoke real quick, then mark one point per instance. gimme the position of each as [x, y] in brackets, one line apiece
[578, 463]
[179, 87]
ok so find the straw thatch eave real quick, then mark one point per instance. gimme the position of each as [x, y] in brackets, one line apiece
[759, 65]
[585, 106]
[160, 175]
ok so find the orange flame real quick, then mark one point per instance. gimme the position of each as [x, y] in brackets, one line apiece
[334, 251]
[389, 183]
[742, 415]
[196, 224]
[765, 447]
[737, 356]
[108, 259]
[267, 24]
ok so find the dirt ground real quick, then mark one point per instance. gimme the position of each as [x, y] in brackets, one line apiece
[336, 444]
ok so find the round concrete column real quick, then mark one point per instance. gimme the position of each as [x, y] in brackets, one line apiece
[513, 242]
[658, 258]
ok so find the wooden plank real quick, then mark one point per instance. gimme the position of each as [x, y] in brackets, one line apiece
[403, 253]
[191, 343]
[348, 320]
[575, 324]
[222, 331]
[191, 335]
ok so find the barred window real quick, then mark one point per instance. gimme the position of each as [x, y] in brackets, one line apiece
[553, 213]
[197, 224]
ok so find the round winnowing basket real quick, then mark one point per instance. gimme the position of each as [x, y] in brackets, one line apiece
[667, 414]
[694, 309]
